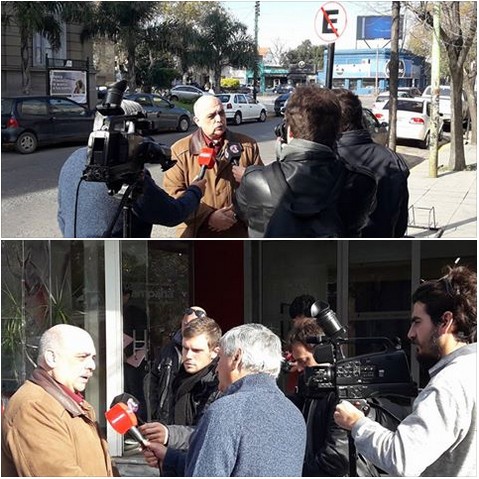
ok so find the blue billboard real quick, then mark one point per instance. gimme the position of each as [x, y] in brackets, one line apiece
[374, 27]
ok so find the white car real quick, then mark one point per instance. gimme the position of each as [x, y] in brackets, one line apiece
[403, 92]
[413, 119]
[239, 107]
[445, 102]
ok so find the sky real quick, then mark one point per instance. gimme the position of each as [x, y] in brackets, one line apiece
[292, 22]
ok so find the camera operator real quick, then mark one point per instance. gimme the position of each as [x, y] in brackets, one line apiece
[86, 209]
[327, 450]
[439, 437]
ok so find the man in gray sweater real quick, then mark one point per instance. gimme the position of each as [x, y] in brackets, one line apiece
[253, 430]
[439, 437]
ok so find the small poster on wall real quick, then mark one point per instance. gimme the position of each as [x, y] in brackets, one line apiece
[69, 83]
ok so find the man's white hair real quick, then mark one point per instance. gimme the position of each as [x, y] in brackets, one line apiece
[260, 347]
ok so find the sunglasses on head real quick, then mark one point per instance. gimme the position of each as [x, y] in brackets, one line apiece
[197, 312]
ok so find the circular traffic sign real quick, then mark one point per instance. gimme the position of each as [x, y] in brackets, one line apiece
[330, 21]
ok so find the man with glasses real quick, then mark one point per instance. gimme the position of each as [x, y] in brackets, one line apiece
[167, 365]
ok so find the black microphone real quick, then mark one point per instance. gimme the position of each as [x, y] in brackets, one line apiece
[131, 401]
[233, 153]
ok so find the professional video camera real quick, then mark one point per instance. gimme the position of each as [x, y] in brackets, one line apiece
[118, 151]
[377, 374]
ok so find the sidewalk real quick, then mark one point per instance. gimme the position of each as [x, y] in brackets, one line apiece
[445, 206]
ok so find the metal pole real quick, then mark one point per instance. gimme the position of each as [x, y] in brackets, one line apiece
[256, 60]
[329, 70]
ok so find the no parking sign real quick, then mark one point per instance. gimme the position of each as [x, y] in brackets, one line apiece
[330, 21]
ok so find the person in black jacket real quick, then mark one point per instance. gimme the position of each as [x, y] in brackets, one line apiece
[194, 388]
[307, 193]
[166, 366]
[356, 147]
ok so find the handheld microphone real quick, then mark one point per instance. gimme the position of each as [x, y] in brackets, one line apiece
[131, 401]
[233, 153]
[122, 419]
[206, 160]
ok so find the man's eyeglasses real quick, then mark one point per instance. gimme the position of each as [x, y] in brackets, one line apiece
[197, 312]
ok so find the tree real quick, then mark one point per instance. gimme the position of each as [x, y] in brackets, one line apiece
[125, 23]
[306, 52]
[394, 74]
[470, 77]
[222, 42]
[458, 33]
[32, 18]
[278, 51]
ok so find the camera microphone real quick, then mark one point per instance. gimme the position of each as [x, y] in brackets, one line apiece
[206, 159]
[233, 153]
[123, 420]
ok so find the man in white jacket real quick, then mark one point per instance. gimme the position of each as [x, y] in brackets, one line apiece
[439, 437]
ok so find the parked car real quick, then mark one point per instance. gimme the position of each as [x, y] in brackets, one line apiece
[403, 92]
[239, 107]
[413, 120]
[445, 102]
[185, 92]
[163, 114]
[279, 103]
[282, 88]
[28, 122]
[378, 130]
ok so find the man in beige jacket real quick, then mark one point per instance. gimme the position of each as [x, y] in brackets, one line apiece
[48, 429]
[215, 217]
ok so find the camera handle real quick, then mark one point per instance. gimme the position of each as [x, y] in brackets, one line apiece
[125, 207]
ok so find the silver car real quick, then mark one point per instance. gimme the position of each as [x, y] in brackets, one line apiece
[185, 92]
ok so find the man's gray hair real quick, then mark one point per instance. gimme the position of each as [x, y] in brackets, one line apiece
[260, 347]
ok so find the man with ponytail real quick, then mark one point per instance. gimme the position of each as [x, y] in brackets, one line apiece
[439, 437]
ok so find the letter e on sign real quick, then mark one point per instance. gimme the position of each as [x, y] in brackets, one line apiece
[330, 22]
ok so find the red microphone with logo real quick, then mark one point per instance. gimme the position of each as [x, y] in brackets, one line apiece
[206, 159]
[123, 420]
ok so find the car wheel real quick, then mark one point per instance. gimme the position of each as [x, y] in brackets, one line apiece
[173, 98]
[426, 142]
[237, 118]
[262, 116]
[26, 143]
[183, 124]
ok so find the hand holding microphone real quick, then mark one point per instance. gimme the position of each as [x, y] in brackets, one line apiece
[233, 154]
[206, 159]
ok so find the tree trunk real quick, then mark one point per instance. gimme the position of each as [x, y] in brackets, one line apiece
[470, 75]
[457, 160]
[25, 62]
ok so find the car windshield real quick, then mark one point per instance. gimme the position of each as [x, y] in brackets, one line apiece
[445, 91]
[413, 106]
[224, 98]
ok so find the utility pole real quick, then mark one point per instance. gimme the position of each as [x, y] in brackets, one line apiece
[435, 77]
[256, 59]
[394, 74]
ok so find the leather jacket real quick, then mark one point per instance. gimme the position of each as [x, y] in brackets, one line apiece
[317, 181]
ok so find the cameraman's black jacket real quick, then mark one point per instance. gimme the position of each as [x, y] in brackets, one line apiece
[308, 193]
[327, 448]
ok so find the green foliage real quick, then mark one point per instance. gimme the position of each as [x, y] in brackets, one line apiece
[230, 83]
[306, 52]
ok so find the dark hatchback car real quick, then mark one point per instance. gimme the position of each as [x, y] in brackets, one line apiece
[163, 114]
[28, 122]
[279, 103]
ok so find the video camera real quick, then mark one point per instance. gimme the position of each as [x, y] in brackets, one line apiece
[378, 374]
[118, 151]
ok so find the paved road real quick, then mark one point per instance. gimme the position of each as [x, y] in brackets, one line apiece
[29, 182]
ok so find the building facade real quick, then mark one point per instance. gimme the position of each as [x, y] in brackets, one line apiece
[365, 71]
[73, 56]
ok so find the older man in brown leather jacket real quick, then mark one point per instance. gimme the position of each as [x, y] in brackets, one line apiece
[215, 216]
[48, 429]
